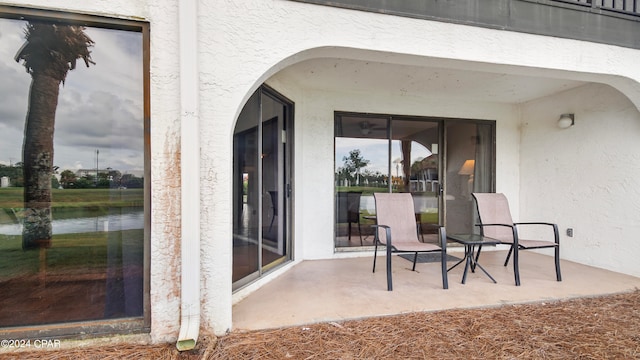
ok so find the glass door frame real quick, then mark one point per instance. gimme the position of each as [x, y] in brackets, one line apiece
[282, 195]
[372, 123]
[442, 194]
[458, 171]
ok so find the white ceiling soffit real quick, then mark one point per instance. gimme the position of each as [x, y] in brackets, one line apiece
[344, 75]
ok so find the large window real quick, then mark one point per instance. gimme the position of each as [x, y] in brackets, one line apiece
[74, 173]
[383, 153]
[439, 161]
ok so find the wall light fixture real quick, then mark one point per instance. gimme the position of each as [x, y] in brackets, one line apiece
[566, 121]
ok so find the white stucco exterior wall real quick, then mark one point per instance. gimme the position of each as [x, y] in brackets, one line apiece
[242, 43]
[165, 147]
[283, 33]
[315, 143]
[586, 177]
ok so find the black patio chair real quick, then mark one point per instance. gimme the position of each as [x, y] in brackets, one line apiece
[397, 230]
[496, 222]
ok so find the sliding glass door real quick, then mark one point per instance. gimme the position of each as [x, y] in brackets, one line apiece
[361, 168]
[415, 159]
[424, 156]
[381, 153]
[470, 167]
[261, 191]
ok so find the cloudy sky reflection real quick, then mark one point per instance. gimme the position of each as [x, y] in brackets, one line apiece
[377, 152]
[99, 108]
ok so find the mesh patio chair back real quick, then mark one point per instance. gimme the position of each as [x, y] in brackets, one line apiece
[396, 210]
[494, 209]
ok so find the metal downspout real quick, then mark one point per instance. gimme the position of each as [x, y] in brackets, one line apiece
[190, 176]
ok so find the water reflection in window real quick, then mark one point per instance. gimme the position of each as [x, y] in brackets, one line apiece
[382, 154]
[361, 168]
[71, 200]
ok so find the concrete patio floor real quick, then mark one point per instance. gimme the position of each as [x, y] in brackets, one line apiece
[343, 289]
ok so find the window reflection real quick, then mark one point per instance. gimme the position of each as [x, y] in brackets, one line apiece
[72, 210]
[414, 148]
[470, 158]
[382, 154]
[362, 168]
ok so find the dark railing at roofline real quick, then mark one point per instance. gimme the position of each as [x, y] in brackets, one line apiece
[631, 7]
[613, 22]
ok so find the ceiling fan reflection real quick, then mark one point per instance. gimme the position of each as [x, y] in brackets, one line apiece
[366, 128]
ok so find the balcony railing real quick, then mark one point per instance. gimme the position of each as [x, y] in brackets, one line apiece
[613, 22]
[630, 7]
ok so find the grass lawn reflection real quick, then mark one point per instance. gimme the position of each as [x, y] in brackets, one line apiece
[84, 275]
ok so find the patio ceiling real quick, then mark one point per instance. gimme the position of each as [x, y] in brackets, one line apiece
[345, 75]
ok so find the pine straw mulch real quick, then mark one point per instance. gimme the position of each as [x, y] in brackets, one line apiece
[605, 327]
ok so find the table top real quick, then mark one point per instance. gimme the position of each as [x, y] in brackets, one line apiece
[473, 239]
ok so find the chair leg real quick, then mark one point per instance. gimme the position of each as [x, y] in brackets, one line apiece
[557, 256]
[389, 281]
[349, 232]
[468, 256]
[508, 255]
[360, 233]
[477, 256]
[375, 254]
[443, 258]
[443, 265]
[516, 266]
[415, 260]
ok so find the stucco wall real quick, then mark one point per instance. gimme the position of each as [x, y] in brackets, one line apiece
[242, 43]
[165, 147]
[271, 35]
[315, 158]
[586, 177]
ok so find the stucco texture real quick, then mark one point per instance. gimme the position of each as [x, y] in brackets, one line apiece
[583, 177]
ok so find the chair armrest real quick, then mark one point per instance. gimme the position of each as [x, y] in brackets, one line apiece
[505, 225]
[556, 233]
[513, 228]
[388, 233]
[534, 223]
